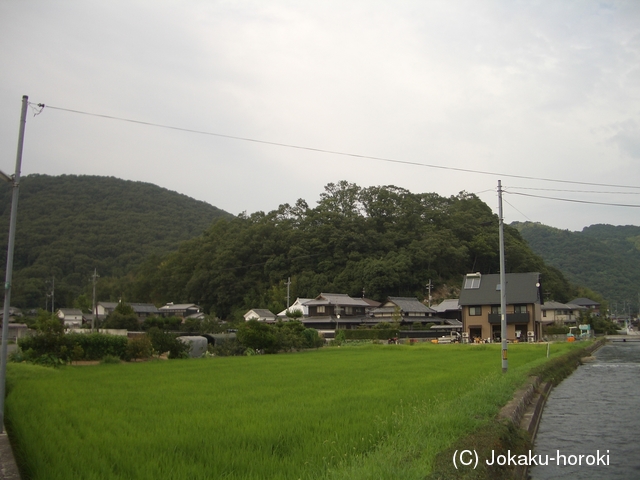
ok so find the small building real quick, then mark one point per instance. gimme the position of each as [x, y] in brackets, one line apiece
[182, 310]
[480, 299]
[13, 312]
[16, 331]
[261, 315]
[71, 317]
[449, 309]
[404, 310]
[561, 313]
[142, 310]
[298, 306]
[591, 305]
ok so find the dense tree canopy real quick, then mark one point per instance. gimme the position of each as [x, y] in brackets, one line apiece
[69, 225]
[379, 240]
[604, 258]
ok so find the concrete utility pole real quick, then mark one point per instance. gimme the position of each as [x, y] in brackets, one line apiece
[429, 287]
[95, 306]
[53, 294]
[288, 289]
[9, 272]
[503, 285]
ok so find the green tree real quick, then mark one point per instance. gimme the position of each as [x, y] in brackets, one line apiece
[123, 317]
[257, 335]
[139, 347]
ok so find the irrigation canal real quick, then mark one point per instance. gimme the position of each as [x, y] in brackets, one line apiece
[595, 413]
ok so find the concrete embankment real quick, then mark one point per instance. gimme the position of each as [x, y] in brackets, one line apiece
[515, 427]
[8, 467]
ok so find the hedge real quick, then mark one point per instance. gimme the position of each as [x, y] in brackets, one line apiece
[93, 346]
[370, 334]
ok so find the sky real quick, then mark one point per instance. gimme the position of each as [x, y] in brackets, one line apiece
[431, 96]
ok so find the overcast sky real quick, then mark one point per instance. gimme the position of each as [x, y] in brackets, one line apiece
[545, 89]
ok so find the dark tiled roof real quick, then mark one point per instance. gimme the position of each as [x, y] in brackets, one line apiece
[521, 289]
[340, 299]
[263, 313]
[447, 305]
[584, 302]
[410, 304]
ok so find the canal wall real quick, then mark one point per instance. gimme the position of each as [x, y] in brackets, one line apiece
[515, 427]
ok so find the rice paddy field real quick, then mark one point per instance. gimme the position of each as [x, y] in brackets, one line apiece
[374, 411]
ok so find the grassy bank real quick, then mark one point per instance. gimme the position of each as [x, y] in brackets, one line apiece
[362, 412]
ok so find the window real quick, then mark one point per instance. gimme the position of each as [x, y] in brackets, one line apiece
[348, 310]
[544, 313]
[496, 309]
[321, 309]
[475, 311]
[472, 280]
[520, 309]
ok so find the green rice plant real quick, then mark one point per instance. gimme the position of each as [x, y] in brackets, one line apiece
[371, 411]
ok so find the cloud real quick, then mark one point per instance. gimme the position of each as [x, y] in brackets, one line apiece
[536, 89]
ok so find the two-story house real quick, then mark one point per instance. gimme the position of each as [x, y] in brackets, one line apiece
[332, 311]
[561, 313]
[182, 310]
[404, 310]
[590, 305]
[480, 300]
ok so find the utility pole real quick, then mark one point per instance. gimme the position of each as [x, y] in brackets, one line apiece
[15, 181]
[95, 307]
[53, 294]
[429, 287]
[503, 285]
[288, 289]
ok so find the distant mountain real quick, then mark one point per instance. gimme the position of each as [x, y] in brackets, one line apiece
[604, 258]
[68, 225]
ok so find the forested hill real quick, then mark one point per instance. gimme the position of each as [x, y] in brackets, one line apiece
[68, 225]
[604, 258]
[383, 240]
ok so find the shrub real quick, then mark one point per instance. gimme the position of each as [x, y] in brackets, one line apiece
[556, 330]
[139, 347]
[110, 359]
[179, 350]
[227, 348]
[370, 334]
[98, 345]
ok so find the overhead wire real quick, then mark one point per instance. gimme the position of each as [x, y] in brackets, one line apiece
[42, 106]
[571, 191]
[574, 200]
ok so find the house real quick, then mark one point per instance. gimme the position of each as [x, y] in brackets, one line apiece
[260, 314]
[591, 305]
[561, 313]
[332, 311]
[13, 312]
[372, 305]
[299, 305]
[449, 309]
[71, 317]
[405, 310]
[142, 310]
[480, 300]
[16, 331]
[179, 310]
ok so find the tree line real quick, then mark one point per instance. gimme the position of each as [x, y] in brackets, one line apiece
[376, 241]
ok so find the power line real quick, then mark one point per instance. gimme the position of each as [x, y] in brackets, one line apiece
[332, 152]
[505, 201]
[574, 201]
[574, 191]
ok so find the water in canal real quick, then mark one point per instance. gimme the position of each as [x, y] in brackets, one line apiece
[594, 413]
